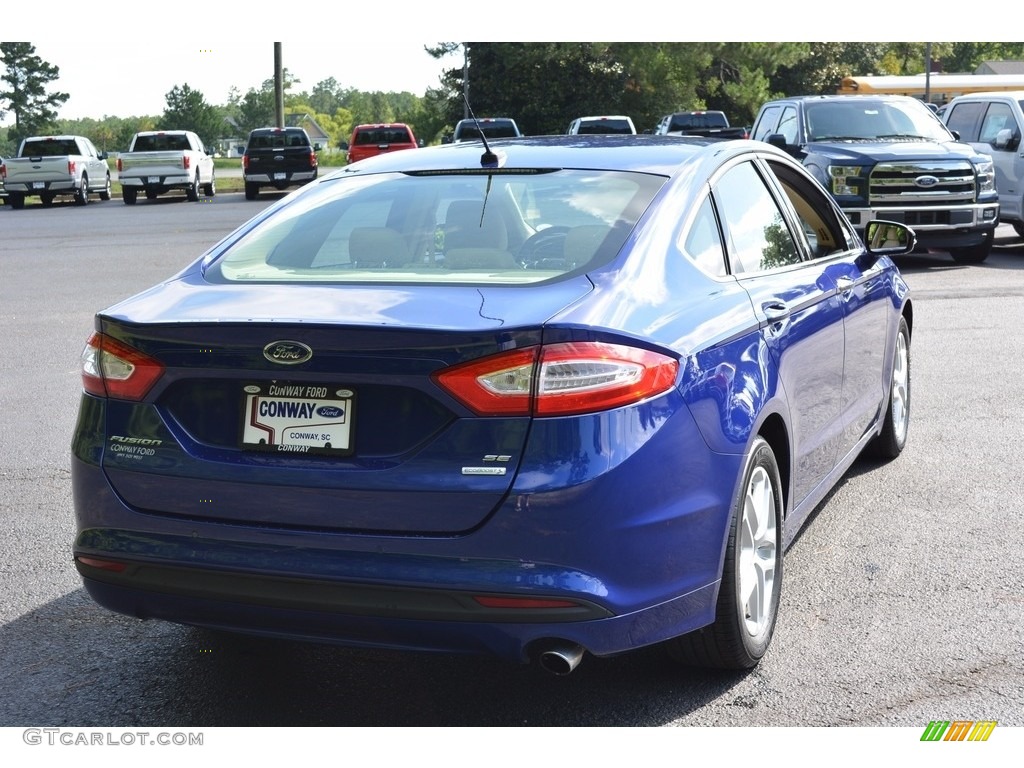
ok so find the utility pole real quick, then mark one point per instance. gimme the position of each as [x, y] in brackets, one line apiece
[278, 86]
[927, 73]
[465, 81]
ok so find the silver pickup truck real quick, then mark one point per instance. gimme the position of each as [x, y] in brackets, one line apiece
[160, 161]
[993, 123]
[51, 166]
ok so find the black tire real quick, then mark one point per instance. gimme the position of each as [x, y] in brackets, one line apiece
[105, 192]
[129, 195]
[976, 254]
[82, 193]
[252, 191]
[748, 598]
[890, 442]
[16, 199]
[1018, 227]
[210, 190]
[192, 192]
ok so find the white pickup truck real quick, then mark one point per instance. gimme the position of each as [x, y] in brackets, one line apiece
[49, 166]
[993, 123]
[160, 161]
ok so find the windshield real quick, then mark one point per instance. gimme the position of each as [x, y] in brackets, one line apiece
[857, 118]
[508, 227]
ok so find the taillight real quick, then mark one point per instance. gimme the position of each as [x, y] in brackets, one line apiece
[186, 162]
[559, 379]
[3, 171]
[120, 165]
[113, 369]
[71, 167]
[312, 159]
[245, 162]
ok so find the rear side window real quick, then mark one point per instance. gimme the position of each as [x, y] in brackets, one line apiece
[997, 118]
[766, 125]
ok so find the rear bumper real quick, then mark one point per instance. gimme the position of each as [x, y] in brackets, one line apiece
[157, 181]
[290, 178]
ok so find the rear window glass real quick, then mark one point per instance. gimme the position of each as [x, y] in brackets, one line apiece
[509, 228]
[383, 136]
[496, 129]
[50, 148]
[278, 139]
[604, 126]
[160, 143]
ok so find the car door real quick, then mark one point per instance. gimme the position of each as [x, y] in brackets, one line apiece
[864, 292]
[795, 300]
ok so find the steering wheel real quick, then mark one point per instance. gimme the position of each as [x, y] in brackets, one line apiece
[546, 244]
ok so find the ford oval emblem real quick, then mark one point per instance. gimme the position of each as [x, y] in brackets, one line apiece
[926, 181]
[329, 411]
[287, 352]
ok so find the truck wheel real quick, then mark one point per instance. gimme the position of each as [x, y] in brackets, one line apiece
[252, 191]
[82, 193]
[210, 189]
[129, 194]
[105, 192]
[193, 190]
[16, 199]
[973, 255]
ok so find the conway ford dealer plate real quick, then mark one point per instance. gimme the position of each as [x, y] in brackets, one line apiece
[298, 418]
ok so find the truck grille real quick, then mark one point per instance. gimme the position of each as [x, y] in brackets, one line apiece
[901, 184]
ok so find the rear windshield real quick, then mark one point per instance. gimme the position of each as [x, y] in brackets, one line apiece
[707, 120]
[50, 148]
[604, 126]
[383, 136]
[498, 129]
[160, 143]
[514, 227]
[278, 139]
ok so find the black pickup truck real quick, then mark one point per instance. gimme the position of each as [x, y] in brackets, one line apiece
[708, 123]
[278, 158]
[891, 158]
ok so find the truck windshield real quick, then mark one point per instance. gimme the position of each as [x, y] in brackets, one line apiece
[869, 119]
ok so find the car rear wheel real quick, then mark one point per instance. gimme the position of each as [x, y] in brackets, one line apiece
[129, 195]
[16, 199]
[210, 189]
[252, 191]
[192, 192]
[82, 193]
[748, 598]
[893, 437]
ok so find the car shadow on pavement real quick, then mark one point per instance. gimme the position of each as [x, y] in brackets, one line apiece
[72, 663]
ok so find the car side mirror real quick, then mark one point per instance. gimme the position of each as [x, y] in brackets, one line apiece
[889, 238]
[778, 140]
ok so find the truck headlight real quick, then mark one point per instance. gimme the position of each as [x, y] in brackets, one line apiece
[844, 179]
[986, 176]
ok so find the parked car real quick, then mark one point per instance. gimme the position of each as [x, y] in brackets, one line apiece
[49, 167]
[279, 158]
[491, 127]
[378, 139]
[993, 123]
[709, 123]
[158, 162]
[601, 124]
[578, 399]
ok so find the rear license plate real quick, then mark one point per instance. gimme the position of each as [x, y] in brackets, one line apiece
[279, 177]
[154, 179]
[305, 419]
[38, 185]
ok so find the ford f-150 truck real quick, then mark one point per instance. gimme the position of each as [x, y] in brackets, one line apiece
[160, 161]
[278, 158]
[891, 158]
[49, 166]
[993, 123]
[709, 123]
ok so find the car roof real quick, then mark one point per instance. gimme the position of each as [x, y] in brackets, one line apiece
[643, 153]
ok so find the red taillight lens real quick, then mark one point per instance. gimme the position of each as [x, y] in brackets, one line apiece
[113, 369]
[559, 379]
[312, 159]
[120, 165]
[245, 162]
[71, 167]
[186, 161]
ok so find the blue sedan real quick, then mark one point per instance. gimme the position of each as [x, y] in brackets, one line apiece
[542, 398]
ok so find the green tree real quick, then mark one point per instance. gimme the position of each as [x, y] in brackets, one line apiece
[27, 77]
[187, 110]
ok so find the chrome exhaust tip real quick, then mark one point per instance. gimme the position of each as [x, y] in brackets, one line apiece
[561, 658]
